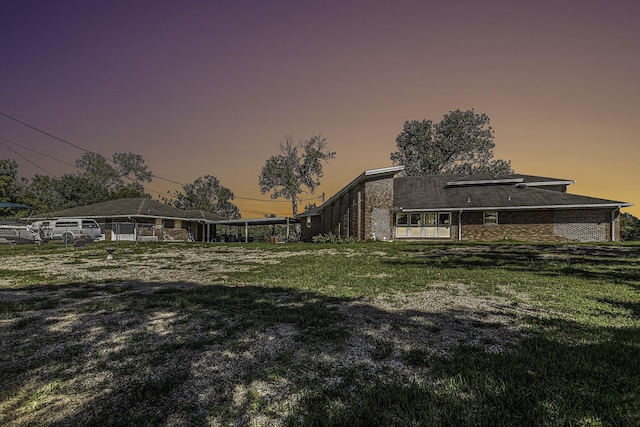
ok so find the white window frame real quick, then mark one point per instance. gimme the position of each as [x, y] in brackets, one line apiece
[413, 227]
[490, 218]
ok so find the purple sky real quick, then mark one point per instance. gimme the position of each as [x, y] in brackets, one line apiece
[211, 87]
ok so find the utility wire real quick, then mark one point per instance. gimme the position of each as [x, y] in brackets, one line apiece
[43, 132]
[37, 152]
[110, 160]
[33, 163]
[74, 145]
[61, 161]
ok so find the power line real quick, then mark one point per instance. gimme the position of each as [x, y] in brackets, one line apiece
[110, 160]
[33, 163]
[74, 145]
[43, 132]
[61, 161]
[37, 152]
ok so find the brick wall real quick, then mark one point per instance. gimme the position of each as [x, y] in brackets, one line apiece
[378, 199]
[532, 226]
[352, 214]
[587, 225]
[176, 234]
[311, 226]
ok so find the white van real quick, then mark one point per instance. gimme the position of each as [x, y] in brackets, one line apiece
[71, 229]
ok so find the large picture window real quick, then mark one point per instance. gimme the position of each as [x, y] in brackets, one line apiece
[423, 224]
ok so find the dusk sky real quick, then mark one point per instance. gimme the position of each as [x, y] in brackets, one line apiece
[212, 87]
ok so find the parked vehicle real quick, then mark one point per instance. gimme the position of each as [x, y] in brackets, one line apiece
[70, 229]
[17, 234]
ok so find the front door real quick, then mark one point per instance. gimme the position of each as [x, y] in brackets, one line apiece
[380, 224]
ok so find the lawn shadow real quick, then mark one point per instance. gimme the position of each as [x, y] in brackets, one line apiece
[141, 353]
[586, 262]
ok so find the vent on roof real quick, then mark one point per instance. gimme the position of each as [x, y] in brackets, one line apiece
[521, 185]
[485, 182]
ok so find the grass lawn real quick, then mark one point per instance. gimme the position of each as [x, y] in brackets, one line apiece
[314, 334]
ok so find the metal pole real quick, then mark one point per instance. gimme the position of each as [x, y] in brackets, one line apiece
[287, 238]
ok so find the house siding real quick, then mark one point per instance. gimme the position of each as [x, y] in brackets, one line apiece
[581, 225]
[534, 226]
[587, 225]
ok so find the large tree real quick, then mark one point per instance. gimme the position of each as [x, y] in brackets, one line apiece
[462, 142]
[9, 188]
[297, 166]
[97, 180]
[207, 194]
[629, 228]
[43, 193]
[100, 179]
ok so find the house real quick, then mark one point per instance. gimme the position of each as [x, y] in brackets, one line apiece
[142, 219]
[385, 204]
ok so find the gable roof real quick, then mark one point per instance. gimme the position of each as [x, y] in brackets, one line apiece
[368, 174]
[139, 207]
[486, 192]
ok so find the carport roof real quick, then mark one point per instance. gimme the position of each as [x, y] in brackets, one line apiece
[255, 221]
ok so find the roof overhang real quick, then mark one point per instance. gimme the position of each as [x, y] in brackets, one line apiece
[254, 221]
[546, 183]
[519, 208]
[122, 216]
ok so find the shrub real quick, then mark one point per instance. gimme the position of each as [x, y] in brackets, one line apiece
[332, 238]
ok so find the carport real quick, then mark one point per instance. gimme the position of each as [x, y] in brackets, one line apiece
[246, 223]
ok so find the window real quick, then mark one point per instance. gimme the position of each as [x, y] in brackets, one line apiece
[423, 224]
[491, 218]
[415, 221]
[431, 227]
[402, 225]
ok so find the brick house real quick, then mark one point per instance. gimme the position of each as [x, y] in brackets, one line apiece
[142, 219]
[384, 204]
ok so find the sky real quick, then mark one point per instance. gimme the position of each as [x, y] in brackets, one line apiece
[213, 87]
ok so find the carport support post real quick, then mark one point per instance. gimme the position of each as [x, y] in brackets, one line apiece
[287, 237]
[246, 231]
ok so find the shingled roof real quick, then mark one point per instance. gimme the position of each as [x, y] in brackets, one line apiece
[482, 192]
[132, 208]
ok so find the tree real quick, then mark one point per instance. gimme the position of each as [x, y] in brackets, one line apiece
[9, 181]
[43, 193]
[207, 194]
[123, 179]
[629, 228]
[287, 173]
[462, 142]
[100, 180]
